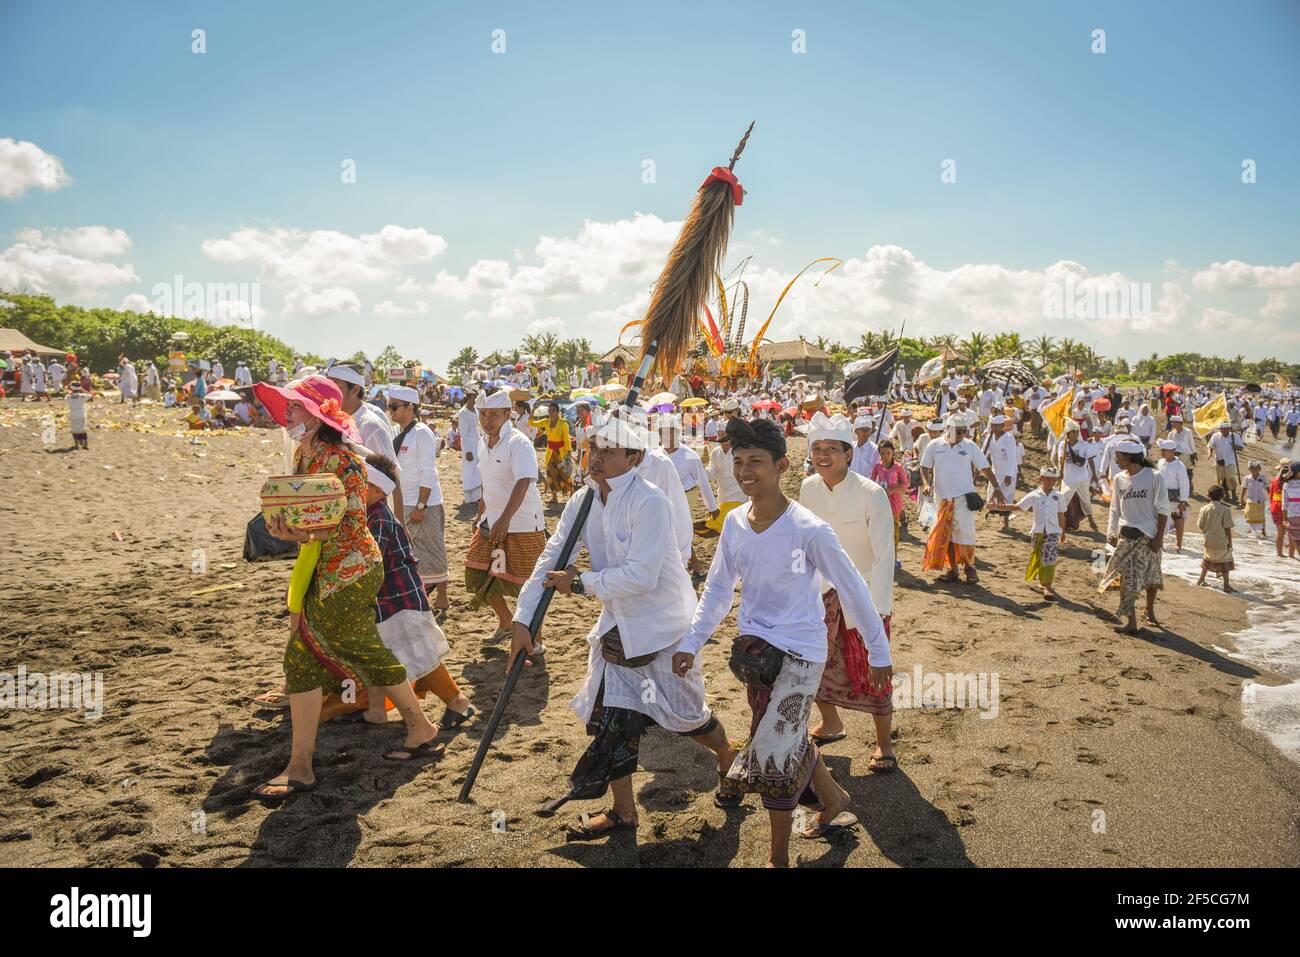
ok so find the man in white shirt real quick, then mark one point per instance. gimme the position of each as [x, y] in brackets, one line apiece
[722, 473]
[1004, 457]
[509, 529]
[56, 374]
[1144, 425]
[416, 452]
[467, 425]
[1185, 445]
[865, 453]
[780, 651]
[242, 375]
[858, 511]
[1139, 512]
[946, 472]
[901, 433]
[218, 370]
[690, 472]
[1178, 487]
[646, 603]
[1223, 447]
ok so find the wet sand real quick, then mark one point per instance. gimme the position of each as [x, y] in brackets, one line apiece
[1106, 749]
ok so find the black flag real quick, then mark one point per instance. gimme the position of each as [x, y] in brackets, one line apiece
[874, 379]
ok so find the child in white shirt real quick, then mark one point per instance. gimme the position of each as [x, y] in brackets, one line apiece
[1048, 507]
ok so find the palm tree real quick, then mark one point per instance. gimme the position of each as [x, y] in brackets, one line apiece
[542, 346]
[975, 346]
[465, 359]
[1043, 348]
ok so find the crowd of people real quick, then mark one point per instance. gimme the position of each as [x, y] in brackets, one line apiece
[816, 571]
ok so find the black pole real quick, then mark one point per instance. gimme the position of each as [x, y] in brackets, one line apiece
[535, 625]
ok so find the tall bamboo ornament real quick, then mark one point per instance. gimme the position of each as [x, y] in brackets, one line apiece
[678, 297]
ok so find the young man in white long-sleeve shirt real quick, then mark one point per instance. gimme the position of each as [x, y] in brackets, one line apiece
[778, 548]
[646, 604]
[858, 511]
[1178, 486]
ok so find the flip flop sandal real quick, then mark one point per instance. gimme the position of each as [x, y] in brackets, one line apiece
[294, 786]
[428, 749]
[844, 821]
[282, 700]
[729, 794]
[440, 614]
[583, 832]
[451, 720]
[948, 579]
[822, 740]
[885, 764]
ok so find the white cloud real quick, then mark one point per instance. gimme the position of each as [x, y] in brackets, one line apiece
[25, 166]
[136, 302]
[390, 308]
[551, 325]
[1280, 284]
[326, 257]
[303, 301]
[66, 262]
[602, 257]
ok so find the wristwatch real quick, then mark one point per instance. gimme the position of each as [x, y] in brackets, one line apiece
[421, 505]
[577, 587]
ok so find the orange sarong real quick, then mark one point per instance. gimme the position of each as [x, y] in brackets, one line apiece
[936, 547]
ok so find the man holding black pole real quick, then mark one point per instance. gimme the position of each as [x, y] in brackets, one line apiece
[647, 603]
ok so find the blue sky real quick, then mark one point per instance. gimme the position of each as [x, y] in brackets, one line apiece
[1126, 163]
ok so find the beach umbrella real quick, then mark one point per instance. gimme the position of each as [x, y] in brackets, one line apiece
[1012, 371]
[612, 391]
[767, 404]
[587, 398]
[1101, 405]
[1170, 387]
[801, 375]
[180, 336]
[662, 398]
[223, 395]
[694, 403]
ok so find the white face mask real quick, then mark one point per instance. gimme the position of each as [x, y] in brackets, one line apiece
[298, 432]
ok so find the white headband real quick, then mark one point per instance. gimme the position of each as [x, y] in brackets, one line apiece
[379, 480]
[344, 374]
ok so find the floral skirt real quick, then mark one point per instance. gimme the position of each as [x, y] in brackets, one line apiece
[338, 642]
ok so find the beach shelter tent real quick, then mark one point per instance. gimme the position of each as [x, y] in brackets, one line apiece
[606, 362]
[805, 357]
[11, 340]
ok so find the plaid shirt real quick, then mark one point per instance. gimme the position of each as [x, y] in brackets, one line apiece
[401, 590]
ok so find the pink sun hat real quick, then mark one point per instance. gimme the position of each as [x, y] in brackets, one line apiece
[319, 396]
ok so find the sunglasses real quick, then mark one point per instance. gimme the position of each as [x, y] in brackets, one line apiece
[394, 406]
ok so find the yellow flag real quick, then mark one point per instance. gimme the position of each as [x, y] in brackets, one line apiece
[1056, 412]
[1209, 416]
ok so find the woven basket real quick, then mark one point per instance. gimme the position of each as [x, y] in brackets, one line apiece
[307, 502]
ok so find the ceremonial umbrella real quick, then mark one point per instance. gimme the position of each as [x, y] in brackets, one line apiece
[1011, 371]
[694, 403]
[1101, 405]
[223, 395]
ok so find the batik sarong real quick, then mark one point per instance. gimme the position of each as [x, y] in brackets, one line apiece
[778, 759]
[1136, 567]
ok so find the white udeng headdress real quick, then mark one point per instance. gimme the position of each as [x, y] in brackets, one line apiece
[836, 427]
